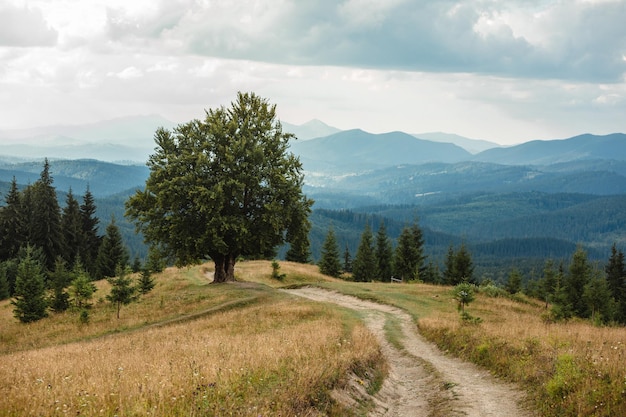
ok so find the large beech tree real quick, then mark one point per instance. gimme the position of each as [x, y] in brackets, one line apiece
[222, 187]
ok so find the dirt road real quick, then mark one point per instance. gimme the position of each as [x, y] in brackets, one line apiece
[422, 380]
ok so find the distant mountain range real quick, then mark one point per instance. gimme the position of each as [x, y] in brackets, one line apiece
[512, 201]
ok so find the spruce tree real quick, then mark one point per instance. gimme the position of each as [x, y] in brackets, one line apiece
[122, 289]
[46, 218]
[404, 258]
[616, 280]
[463, 266]
[418, 247]
[30, 290]
[298, 236]
[549, 282]
[4, 283]
[112, 252]
[514, 282]
[577, 277]
[71, 228]
[81, 288]
[364, 268]
[329, 260]
[384, 254]
[12, 230]
[347, 260]
[597, 296]
[146, 282]
[60, 279]
[90, 240]
[449, 272]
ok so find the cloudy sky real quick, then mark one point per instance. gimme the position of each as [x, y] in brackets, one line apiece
[501, 70]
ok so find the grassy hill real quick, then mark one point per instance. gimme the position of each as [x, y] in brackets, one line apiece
[191, 348]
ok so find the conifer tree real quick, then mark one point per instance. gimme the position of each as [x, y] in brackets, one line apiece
[122, 289]
[549, 282]
[431, 273]
[364, 266]
[90, 240]
[112, 252]
[463, 266]
[71, 228]
[81, 288]
[404, 258]
[298, 236]
[514, 282]
[347, 260]
[418, 246]
[146, 282]
[449, 272]
[46, 218]
[616, 280]
[561, 307]
[60, 279]
[4, 283]
[12, 230]
[329, 260]
[578, 275]
[597, 296]
[30, 291]
[384, 254]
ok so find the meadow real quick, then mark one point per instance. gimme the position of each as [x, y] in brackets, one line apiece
[192, 348]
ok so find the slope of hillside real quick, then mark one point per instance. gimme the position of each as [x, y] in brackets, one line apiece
[357, 151]
[545, 152]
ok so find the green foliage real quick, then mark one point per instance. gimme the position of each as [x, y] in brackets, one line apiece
[146, 282]
[276, 271]
[329, 263]
[71, 229]
[60, 278]
[409, 253]
[578, 275]
[458, 266]
[4, 283]
[222, 188]
[12, 224]
[112, 252]
[45, 218]
[122, 290]
[464, 293]
[514, 282]
[364, 267]
[83, 318]
[616, 280]
[81, 288]
[90, 240]
[598, 298]
[30, 292]
[347, 260]
[566, 376]
[384, 254]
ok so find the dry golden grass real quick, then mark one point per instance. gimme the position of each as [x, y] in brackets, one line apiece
[258, 359]
[572, 369]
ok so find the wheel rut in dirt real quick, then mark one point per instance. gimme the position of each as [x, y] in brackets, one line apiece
[422, 380]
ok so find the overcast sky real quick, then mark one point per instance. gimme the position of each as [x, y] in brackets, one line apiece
[501, 70]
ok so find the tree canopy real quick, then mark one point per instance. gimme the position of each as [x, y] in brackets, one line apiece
[222, 187]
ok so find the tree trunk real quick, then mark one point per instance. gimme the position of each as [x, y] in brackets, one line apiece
[224, 268]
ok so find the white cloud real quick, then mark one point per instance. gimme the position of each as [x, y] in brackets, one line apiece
[24, 26]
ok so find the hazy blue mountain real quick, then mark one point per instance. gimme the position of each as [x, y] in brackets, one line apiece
[309, 130]
[432, 182]
[546, 152]
[358, 151]
[123, 139]
[103, 178]
[473, 146]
